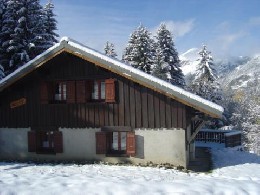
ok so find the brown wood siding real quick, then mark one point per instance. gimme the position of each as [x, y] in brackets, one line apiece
[135, 105]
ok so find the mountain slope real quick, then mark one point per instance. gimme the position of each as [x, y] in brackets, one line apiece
[233, 72]
[242, 75]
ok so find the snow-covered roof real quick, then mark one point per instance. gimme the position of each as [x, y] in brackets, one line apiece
[68, 45]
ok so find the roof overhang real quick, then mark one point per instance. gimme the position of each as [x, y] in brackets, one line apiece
[118, 67]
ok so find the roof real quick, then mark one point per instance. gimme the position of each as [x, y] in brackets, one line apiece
[68, 45]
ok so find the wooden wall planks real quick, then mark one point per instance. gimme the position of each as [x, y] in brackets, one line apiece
[136, 105]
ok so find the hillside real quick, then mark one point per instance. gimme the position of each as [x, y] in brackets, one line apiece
[242, 75]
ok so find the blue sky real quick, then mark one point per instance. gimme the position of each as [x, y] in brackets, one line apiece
[227, 27]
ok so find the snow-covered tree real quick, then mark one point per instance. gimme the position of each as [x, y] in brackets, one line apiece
[35, 30]
[26, 31]
[167, 59]
[246, 114]
[50, 25]
[139, 51]
[10, 46]
[110, 50]
[2, 72]
[3, 59]
[160, 70]
[205, 83]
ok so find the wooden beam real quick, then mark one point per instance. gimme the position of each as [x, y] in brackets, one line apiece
[197, 128]
[116, 128]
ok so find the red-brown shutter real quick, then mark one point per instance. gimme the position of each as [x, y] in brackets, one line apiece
[70, 91]
[58, 141]
[89, 88]
[31, 141]
[130, 143]
[101, 143]
[110, 90]
[81, 91]
[44, 93]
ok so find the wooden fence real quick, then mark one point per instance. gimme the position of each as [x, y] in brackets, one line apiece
[230, 138]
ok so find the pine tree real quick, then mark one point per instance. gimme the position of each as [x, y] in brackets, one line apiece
[2, 73]
[10, 47]
[110, 50]
[36, 29]
[26, 31]
[3, 59]
[50, 25]
[2, 10]
[205, 83]
[140, 50]
[160, 70]
[167, 58]
[246, 114]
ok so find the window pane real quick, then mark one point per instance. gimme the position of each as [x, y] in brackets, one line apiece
[64, 91]
[103, 91]
[57, 92]
[123, 140]
[95, 91]
[115, 141]
[45, 144]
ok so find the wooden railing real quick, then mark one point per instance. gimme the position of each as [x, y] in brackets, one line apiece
[230, 138]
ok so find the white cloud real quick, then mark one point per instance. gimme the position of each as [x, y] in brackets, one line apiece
[178, 28]
[225, 44]
[228, 39]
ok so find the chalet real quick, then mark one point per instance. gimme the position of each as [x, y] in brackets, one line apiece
[74, 103]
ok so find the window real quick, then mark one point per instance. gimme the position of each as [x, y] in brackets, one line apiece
[45, 142]
[98, 92]
[115, 143]
[60, 91]
[118, 142]
[80, 91]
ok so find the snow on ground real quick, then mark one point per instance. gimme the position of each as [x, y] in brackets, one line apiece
[235, 172]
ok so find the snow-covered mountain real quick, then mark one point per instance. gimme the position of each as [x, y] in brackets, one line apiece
[242, 75]
[234, 72]
[189, 61]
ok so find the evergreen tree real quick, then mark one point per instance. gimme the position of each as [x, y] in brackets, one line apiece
[167, 59]
[26, 31]
[110, 50]
[2, 74]
[139, 51]
[246, 114]
[160, 70]
[35, 28]
[3, 59]
[10, 47]
[50, 25]
[205, 83]
[2, 10]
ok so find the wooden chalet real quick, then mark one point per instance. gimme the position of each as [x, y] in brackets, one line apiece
[74, 103]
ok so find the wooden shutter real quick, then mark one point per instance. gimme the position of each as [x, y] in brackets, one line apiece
[101, 143]
[130, 143]
[81, 91]
[70, 91]
[110, 91]
[58, 141]
[31, 141]
[44, 96]
[89, 88]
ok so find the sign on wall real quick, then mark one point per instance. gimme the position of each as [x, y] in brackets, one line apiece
[17, 103]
